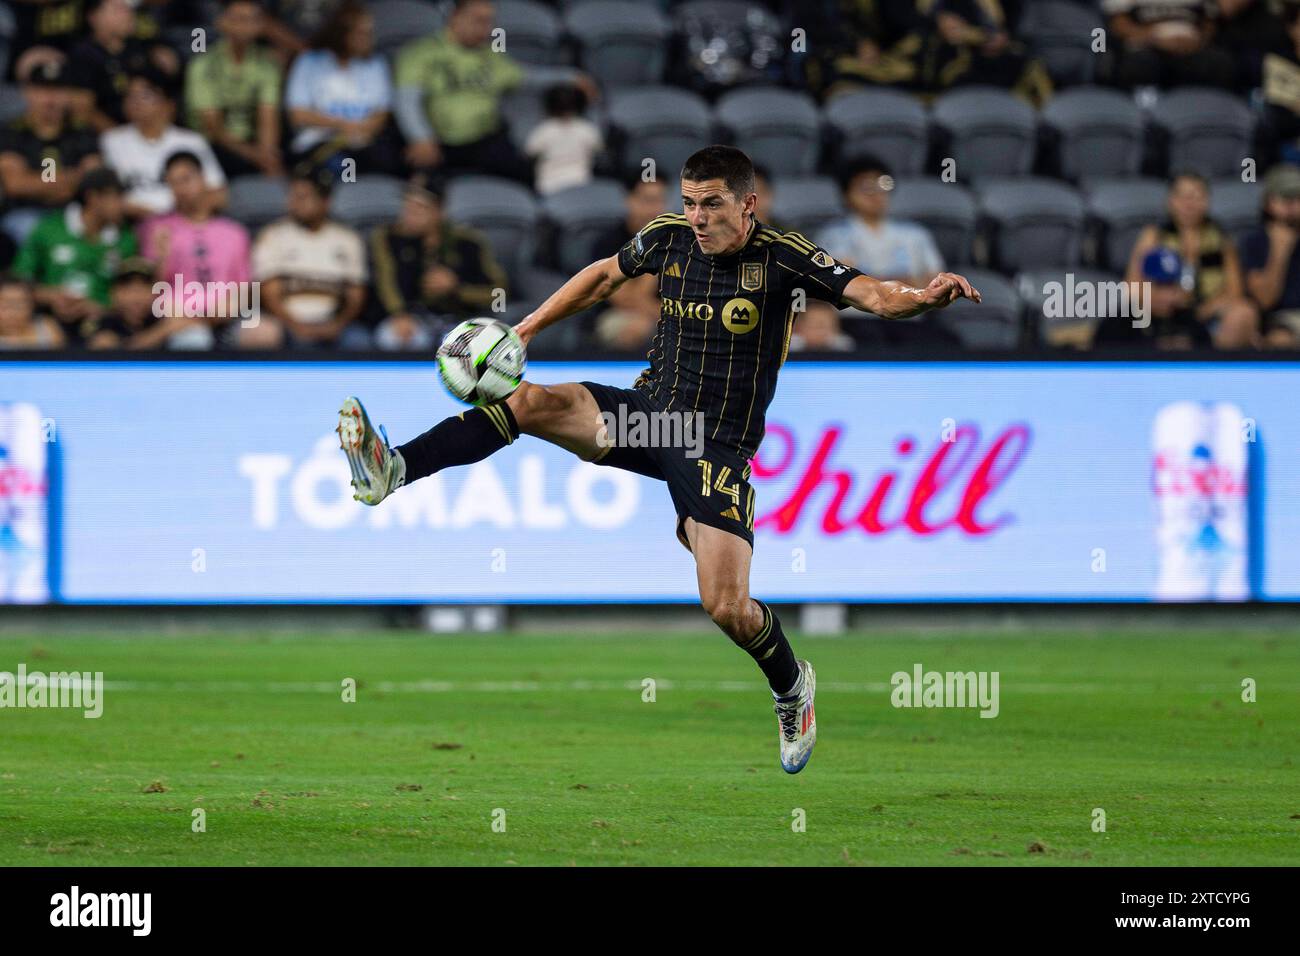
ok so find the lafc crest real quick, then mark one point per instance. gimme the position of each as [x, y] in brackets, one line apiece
[822, 259]
[751, 276]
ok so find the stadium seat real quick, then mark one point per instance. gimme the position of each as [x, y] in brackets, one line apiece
[504, 211]
[1236, 206]
[1099, 133]
[806, 203]
[398, 22]
[995, 323]
[257, 200]
[1119, 209]
[1038, 222]
[1060, 34]
[889, 125]
[948, 210]
[532, 32]
[1207, 131]
[987, 131]
[12, 104]
[580, 215]
[662, 122]
[622, 43]
[1063, 329]
[778, 128]
[368, 202]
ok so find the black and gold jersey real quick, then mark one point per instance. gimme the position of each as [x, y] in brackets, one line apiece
[724, 321]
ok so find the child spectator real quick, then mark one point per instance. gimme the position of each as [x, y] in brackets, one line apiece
[564, 146]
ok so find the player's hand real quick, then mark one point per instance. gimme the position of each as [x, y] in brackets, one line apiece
[946, 288]
[525, 330]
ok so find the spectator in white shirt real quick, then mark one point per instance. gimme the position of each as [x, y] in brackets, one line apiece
[565, 144]
[312, 273]
[869, 240]
[139, 150]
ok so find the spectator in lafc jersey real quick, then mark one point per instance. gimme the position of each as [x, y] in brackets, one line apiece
[100, 65]
[312, 273]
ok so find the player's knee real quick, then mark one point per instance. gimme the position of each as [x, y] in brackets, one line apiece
[535, 406]
[729, 610]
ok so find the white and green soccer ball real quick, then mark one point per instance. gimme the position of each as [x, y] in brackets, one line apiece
[482, 361]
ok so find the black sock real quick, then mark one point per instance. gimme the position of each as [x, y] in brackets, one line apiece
[460, 440]
[773, 653]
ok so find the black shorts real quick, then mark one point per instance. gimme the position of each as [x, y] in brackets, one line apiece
[707, 481]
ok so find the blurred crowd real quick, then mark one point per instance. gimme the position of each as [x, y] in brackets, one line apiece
[132, 130]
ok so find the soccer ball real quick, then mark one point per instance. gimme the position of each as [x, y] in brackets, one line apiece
[482, 361]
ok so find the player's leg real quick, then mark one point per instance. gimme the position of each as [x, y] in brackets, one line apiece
[566, 415]
[722, 561]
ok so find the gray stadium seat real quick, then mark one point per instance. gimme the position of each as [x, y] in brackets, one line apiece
[778, 128]
[1060, 34]
[369, 201]
[580, 215]
[1236, 206]
[504, 211]
[257, 200]
[889, 125]
[12, 105]
[660, 122]
[524, 106]
[989, 132]
[806, 203]
[1119, 210]
[622, 43]
[995, 323]
[1039, 222]
[532, 31]
[1099, 133]
[1065, 329]
[948, 210]
[1209, 131]
[398, 22]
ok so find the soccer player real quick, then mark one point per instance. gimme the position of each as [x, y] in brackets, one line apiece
[730, 287]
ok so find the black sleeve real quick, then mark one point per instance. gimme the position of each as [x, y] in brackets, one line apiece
[806, 265]
[646, 251]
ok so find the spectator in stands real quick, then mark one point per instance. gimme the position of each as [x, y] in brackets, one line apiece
[565, 145]
[192, 244]
[232, 94]
[100, 66]
[645, 200]
[1280, 129]
[428, 272]
[43, 153]
[1214, 271]
[1173, 325]
[628, 325]
[20, 326]
[72, 253]
[1162, 43]
[971, 43]
[312, 273]
[1271, 258]
[855, 44]
[139, 150]
[290, 23]
[449, 90]
[1249, 30]
[763, 190]
[132, 320]
[339, 97]
[44, 32]
[868, 239]
[817, 329]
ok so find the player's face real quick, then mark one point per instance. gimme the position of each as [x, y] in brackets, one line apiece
[720, 220]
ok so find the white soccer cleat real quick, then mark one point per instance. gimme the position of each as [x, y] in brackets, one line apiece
[376, 471]
[797, 722]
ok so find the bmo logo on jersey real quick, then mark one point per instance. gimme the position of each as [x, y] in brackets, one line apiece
[738, 315]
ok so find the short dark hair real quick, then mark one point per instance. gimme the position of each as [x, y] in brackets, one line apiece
[865, 163]
[8, 279]
[101, 179]
[1189, 174]
[562, 98]
[727, 163]
[320, 178]
[634, 178]
[333, 34]
[182, 156]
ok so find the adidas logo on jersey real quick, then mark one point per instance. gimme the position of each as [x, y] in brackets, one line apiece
[674, 270]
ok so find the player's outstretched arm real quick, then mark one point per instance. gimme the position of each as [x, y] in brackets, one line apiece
[891, 299]
[593, 284]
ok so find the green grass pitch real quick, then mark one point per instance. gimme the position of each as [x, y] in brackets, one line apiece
[553, 730]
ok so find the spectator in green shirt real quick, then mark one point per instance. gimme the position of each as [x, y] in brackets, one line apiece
[449, 90]
[72, 254]
[232, 94]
